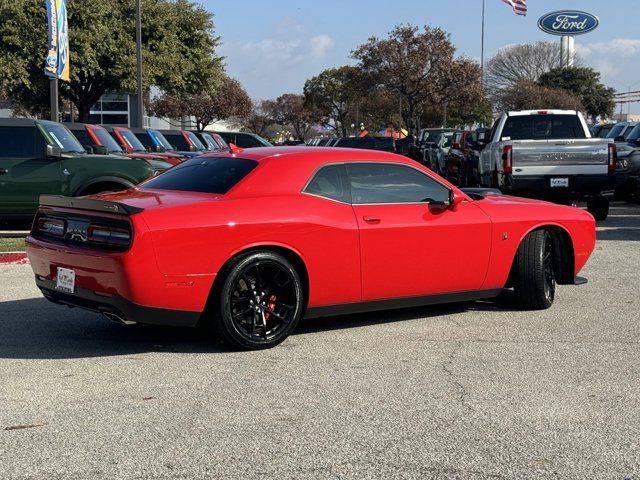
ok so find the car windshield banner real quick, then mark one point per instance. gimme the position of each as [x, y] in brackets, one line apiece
[57, 62]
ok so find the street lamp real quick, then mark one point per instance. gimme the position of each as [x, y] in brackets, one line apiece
[140, 102]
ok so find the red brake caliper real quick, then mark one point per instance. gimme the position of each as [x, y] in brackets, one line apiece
[270, 306]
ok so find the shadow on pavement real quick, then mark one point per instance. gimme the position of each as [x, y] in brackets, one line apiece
[623, 223]
[37, 329]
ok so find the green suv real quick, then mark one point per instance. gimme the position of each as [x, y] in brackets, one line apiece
[38, 156]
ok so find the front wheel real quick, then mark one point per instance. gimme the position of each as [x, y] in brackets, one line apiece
[260, 303]
[533, 274]
[598, 207]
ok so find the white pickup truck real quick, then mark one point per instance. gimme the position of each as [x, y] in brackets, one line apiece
[549, 154]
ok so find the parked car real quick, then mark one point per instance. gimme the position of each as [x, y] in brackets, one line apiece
[96, 139]
[315, 232]
[629, 167]
[132, 146]
[459, 164]
[42, 157]
[213, 143]
[184, 141]
[155, 141]
[600, 130]
[549, 154]
[244, 139]
[425, 140]
[369, 143]
[437, 151]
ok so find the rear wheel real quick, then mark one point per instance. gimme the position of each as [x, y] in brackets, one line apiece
[598, 207]
[260, 302]
[533, 274]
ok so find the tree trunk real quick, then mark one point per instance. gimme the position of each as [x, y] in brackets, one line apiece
[84, 111]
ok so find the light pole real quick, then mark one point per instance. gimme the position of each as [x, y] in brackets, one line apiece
[140, 99]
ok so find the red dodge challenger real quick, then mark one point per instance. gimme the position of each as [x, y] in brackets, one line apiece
[252, 241]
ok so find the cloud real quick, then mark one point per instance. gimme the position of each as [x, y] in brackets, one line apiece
[279, 63]
[615, 59]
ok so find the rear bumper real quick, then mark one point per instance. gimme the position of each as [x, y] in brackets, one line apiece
[580, 186]
[117, 307]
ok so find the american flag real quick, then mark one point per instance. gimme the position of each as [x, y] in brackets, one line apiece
[519, 6]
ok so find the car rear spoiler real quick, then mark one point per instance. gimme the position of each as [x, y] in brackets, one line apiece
[80, 203]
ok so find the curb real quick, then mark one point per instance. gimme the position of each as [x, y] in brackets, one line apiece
[13, 233]
[15, 258]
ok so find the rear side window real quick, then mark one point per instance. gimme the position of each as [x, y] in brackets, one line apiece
[202, 174]
[543, 127]
[391, 183]
[177, 140]
[331, 182]
[20, 142]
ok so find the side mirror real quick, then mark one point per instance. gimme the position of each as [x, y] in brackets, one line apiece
[88, 148]
[100, 150]
[192, 148]
[455, 198]
[52, 152]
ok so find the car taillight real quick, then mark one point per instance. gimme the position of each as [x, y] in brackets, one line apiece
[507, 159]
[613, 157]
[51, 226]
[108, 235]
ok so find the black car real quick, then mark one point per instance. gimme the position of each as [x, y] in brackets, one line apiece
[244, 139]
[184, 140]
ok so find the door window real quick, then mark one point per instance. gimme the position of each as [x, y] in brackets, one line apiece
[391, 183]
[330, 182]
[20, 142]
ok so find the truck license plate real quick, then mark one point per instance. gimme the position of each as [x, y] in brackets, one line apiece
[559, 182]
[65, 280]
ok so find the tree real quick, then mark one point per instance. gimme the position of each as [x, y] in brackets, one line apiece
[178, 40]
[289, 110]
[258, 121]
[527, 61]
[418, 66]
[585, 83]
[529, 95]
[227, 100]
[333, 93]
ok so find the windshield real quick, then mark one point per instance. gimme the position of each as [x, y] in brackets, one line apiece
[135, 144]
[604, 129]
[60, 136]
[635, 133]
[542, 127]
[448, 138]
[616, 131]
[627, 131]
[203, 174]
[209, 140]
[106, 140]
[159, 139]
[223, 145]
[195, 141]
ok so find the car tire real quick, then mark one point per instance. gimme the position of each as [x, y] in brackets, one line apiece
[259, 303]
[533, 274]
[598, 207]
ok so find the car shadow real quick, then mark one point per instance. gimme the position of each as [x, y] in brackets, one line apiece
[622, 224]
[37, 329]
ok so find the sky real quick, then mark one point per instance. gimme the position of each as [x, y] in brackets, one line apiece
[273, 46]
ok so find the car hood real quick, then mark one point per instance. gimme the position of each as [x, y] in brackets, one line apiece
[509, 200]
[156, 199]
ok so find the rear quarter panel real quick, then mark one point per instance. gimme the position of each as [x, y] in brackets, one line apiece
[514, 218]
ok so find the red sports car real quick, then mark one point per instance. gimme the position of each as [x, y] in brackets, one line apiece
[252, 241]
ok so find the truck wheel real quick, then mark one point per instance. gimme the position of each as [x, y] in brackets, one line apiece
[598, 207]
[533, 275]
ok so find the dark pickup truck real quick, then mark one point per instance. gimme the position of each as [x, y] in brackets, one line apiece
[42, 157]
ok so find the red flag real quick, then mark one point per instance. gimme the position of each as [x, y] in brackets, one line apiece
[519, 6]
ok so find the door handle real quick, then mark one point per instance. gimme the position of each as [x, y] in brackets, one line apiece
[371, 219]
[3, 171]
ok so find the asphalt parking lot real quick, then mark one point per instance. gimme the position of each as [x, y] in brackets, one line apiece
[460, 391]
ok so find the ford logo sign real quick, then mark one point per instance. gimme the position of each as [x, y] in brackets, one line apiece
[568, 22]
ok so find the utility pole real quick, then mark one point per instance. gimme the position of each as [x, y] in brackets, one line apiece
[140, 93]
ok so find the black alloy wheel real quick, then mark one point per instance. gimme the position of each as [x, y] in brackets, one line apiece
[533, 274]
[261, 301]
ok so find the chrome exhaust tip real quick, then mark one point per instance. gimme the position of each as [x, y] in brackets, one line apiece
[114, 317]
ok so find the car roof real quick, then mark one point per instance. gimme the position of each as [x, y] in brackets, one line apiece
[17, 122]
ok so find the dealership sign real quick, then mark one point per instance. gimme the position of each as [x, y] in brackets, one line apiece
[568, 22]
[57, 61]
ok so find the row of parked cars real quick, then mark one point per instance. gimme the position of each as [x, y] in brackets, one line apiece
[74, 159]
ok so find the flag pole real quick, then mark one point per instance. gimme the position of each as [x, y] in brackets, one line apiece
[482, 48]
